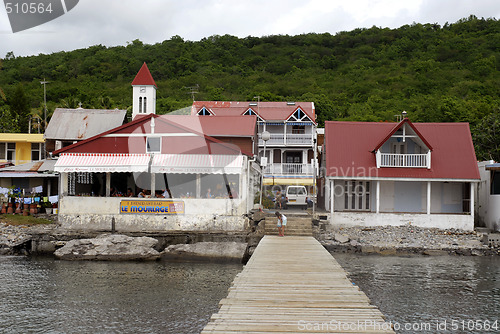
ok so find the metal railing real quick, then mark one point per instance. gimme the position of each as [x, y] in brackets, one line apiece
[289, 139]
[289, 169]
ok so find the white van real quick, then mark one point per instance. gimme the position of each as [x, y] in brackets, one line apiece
[296, 196]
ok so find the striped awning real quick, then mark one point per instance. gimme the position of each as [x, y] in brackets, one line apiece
[102, 162]
[197, 164]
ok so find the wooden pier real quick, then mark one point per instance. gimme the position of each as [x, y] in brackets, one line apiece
[293, 285]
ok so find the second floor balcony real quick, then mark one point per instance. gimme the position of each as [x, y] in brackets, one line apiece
[280, 139]
[289, 169]
[403, 160]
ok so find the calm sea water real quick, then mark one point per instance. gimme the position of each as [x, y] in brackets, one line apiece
[43, 295]
[431, 294]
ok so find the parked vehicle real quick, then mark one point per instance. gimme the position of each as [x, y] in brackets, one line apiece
[296, 196]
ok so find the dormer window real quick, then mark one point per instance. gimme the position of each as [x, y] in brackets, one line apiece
[249, 112]
[299, 116]
[204, 112]
[404, 147]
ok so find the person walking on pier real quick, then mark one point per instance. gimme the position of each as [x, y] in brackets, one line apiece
[281, 223]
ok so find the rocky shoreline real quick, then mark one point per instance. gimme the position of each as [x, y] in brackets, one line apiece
[387, 240]
[13, 239]
[405, 240]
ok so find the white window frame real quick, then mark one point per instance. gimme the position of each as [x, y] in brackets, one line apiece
[12, 150]
[39, 151]
[357, 195]
[147, 142]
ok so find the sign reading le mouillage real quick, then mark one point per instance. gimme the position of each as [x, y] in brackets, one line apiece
[158, 207]
[26, 14]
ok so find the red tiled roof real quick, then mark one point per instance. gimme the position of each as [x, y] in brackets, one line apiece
[269, 111]
[144, 77]
[182, 139]
[349, 151]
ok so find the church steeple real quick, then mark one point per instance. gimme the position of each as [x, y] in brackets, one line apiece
[144, 93]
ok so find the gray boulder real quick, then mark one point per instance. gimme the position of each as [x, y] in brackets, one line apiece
[209, 251]
[341, 238]
[110, 247]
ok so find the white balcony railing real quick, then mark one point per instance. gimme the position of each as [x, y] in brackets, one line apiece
[289, 139]
[289, 169]
[403, 160]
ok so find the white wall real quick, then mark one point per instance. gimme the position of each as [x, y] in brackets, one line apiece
[487, 206]
[407, 196]
[96, 213]
[442, 221]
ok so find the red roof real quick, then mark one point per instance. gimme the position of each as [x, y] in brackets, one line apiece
[397, 127]
[144, 77]
[349, 150]
[220, 126]
[131, 138]
[268, 111]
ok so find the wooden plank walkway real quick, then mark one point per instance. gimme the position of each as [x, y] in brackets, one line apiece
[293, 285]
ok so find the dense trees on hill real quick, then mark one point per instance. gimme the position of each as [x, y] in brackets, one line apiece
[437, 73]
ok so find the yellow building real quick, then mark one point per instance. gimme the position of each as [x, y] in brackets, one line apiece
[20, 148]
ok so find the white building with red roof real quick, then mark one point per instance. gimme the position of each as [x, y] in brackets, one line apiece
[157, 163]
[290, 151]
[394, 174]
[161, 173]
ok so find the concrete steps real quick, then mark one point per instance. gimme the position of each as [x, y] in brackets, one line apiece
[296, 226]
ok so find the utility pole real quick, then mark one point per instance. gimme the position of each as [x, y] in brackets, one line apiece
[258, 104]
[193, 90]
[44, 83]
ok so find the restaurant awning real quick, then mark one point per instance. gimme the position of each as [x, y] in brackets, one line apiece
[197, 164]
[102, 162]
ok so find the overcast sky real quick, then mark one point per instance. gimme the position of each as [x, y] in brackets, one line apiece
[116, 22]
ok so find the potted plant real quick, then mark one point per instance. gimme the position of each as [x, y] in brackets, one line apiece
[47, 207]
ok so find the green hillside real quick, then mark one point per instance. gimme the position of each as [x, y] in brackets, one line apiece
[436, 73]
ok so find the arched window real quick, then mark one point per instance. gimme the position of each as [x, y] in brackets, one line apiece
[145, 104]
[140, 105]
